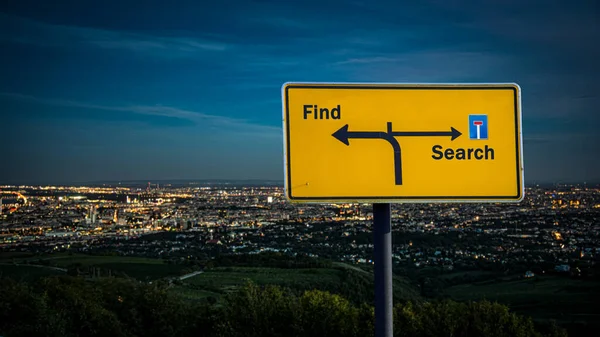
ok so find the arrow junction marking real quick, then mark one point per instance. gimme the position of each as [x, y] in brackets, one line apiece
[343, 135]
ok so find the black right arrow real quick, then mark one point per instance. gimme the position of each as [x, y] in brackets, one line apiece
[452, 133]
[343, 135]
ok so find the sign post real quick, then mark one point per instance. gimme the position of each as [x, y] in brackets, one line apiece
[398, 143]
[382, 243]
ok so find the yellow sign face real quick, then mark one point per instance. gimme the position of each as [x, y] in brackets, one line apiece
[402, 142]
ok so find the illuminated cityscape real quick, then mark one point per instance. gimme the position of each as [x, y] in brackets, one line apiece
[552, 229]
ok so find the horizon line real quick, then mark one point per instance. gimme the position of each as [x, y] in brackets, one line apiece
[225, 180]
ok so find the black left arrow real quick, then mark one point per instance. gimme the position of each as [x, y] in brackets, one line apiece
[343, 135]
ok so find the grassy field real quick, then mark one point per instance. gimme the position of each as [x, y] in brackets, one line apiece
[475, 274]
[543, 297]
[7, 256]
[349, 266]
[142, 270]
[232, 277]
[193, 294]
[136, 267]
[93, 260]
[65, 259]
[219, 281]
[24, 272]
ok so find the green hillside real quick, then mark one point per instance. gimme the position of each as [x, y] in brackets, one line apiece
[71, 306]
[345, 280]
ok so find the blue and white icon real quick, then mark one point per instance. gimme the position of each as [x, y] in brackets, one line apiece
[478, 127]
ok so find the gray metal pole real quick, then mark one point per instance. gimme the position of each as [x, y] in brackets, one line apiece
[382, 233]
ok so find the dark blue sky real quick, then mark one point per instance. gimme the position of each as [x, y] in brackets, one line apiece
[115, 90]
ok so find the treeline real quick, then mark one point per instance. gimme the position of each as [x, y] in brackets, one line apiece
[70, 306]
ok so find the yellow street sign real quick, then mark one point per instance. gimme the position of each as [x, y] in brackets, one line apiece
[402, 142]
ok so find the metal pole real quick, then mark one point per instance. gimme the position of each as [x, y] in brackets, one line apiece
[382, 233]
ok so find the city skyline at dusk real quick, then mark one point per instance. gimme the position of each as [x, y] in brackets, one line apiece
[112, 91]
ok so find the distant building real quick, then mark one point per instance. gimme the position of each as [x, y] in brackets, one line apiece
[9, 200]
[529, 274]
[92, 217]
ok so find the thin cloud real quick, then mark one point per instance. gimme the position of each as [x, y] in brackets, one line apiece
[157, 110]
[367, 60]
[428, 66]
[21, 30]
